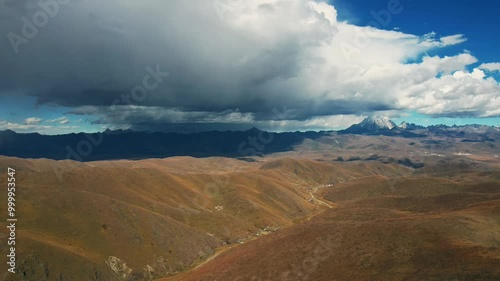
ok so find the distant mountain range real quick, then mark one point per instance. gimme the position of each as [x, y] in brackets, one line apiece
[128, 144]
[382, 125]
[122, 144]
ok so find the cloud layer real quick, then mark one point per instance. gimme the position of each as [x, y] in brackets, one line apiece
[266, 62]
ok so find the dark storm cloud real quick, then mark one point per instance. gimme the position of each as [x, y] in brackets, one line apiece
[262, 56]
[90, 53]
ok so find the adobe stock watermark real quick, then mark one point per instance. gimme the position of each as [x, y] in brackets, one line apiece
[212, 191]
[324, 249]
[222, 7]
[139, 93]
[302, 270]
[363, 36]
[47, 9]
[256, 144]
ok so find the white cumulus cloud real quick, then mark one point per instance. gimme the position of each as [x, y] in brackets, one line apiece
[32, 121]
[492, 66]
[237, 65]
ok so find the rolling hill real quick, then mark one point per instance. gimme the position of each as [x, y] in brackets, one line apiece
[411, 228]
[328, 206]
[140, 220]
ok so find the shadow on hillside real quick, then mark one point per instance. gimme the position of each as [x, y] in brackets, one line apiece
[138, 145]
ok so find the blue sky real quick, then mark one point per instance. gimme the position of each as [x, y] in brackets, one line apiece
[235, 75]
[478, 20]
[54, 119]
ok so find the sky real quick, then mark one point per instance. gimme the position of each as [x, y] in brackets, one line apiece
[279, 65]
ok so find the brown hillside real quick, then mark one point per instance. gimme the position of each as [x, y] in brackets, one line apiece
[433, 229]
[151, 218]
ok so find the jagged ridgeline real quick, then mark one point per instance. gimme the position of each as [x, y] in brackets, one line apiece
[139, 145]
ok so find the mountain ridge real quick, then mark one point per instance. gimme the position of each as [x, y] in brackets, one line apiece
[127, 144]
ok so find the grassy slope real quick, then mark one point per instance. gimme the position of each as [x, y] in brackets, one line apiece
[158, 216]
[415, 228]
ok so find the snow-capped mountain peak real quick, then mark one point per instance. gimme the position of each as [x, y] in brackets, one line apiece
[377, 122]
